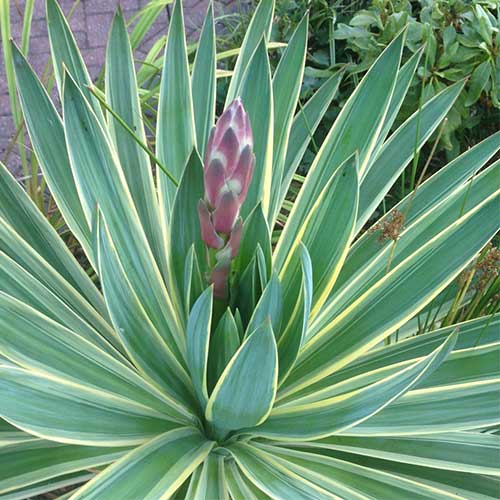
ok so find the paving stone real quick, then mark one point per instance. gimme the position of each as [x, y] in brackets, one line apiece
[3, 91]
[100, 6]
[90, 22]
[77, 20]
[4, 108]
[39, 45]
[38, 10]
[39, 64]
[94, 56]
[98, 28]
[129, 5]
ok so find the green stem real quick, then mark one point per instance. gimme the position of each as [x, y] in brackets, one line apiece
[452, 313]
[413, 193]
[27, 18]
[495, 309]
[143, 146]
[416, 153]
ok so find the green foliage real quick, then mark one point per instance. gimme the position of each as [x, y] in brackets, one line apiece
[147, 385]
[461, 40]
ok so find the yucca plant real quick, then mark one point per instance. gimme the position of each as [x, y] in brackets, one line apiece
[207, 362]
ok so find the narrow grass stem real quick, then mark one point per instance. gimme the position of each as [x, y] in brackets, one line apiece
[413, 193]
[416, 154]
[143, 146]
[495, 310]
[452, 313]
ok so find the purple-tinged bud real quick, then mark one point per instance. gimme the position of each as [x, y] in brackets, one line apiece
[239, 118]
[228, 164]
[234, 240]
[226, 212]
[223, 123]
[229, 138]
[208, 234]
[214, 180]
[243, 172]
[228, 150]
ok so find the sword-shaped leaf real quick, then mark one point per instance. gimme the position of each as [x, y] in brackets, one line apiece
[99, 176]
[260, 26]
[121, 95]
[393, 301]
[91, 418]
[203, 82]
[175, 134]
[338, 414]
[237, 401]
[155, 470]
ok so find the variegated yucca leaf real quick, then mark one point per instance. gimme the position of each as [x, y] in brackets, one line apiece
[148, 382]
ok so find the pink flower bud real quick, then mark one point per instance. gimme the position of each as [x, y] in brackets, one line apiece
[226, 211]
[214, 180]
[208, 234]
[242, 174]
[228, 150]
[235, 238]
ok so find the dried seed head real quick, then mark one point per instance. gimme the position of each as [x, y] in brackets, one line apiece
[464, 276]
[487, 268]
[391, 228]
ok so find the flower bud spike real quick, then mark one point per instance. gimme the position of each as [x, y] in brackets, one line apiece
[222, 124]
[243, 172]
[239, 117]
[227, 172]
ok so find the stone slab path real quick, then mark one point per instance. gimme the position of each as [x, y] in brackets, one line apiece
[90, 23]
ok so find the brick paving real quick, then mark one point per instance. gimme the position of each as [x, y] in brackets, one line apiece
[90, 24]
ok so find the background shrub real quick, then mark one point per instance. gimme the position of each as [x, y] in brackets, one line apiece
[460, 40]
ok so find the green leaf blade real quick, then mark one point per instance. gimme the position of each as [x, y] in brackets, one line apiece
[175, 134]
[443, 257]
[121, 95]
[339, 414]
[154, 470]
[258, 103]
[33, 403]
[198, 341]
[287, 81]
[204, 83]
[260, 26]
[237, 401]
